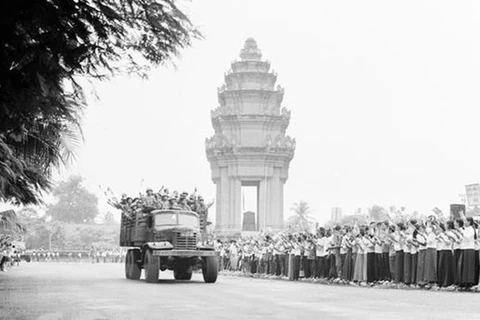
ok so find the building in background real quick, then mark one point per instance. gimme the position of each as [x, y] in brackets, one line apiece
[336, 214]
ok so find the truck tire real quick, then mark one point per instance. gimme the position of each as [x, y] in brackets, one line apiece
[210, 269]
[151, 266]
[128, 262]
[136, 271]
[132, 269]
[183, 273]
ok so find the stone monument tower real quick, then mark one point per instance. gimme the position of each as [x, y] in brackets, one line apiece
[249, 147]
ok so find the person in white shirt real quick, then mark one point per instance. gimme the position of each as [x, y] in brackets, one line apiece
[320, 253]
[445, 255]
[430, 274]
[467, 253]
[413, 252]
[398, 241]
[407, 255]
[297, 252]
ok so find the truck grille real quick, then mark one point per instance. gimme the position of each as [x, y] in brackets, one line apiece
[183, 242]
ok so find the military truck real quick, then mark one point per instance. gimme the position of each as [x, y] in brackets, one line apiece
[166, 240]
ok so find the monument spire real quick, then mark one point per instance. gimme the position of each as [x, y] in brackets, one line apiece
[250, 50]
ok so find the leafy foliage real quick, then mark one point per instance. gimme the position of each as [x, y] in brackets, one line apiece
[301, 221]
[62, 236]
[9, 222]
[377, 213]
[40, 233]
[354, 219]
[44, 46]
[75, 203]
[86, 236]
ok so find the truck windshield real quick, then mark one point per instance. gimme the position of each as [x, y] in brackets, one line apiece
[188, 220]
[165, 218]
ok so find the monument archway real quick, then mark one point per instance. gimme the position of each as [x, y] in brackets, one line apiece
[250, 146]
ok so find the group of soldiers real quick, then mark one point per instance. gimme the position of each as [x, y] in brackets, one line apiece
[162, 200]
[428, 253]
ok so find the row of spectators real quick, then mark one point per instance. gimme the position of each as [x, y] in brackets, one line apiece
[418, 254]
[95, 255]
[99, 255]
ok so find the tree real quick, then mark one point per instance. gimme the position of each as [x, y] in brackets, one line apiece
[377, 213]
[42, 233]
[54, 229]
[108, 218]
[36, 235]
[301, 221]
[75, 203]
[9, 222]
[352, 219]
[86, 236]
[45, 45]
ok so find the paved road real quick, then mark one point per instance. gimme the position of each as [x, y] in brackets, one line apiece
[100, 291]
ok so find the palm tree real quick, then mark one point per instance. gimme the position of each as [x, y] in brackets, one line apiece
[301, 221]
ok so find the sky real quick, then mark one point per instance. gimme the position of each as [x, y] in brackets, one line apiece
[384, 99]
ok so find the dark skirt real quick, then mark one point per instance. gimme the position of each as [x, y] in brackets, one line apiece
[379, 272]
[477, 266]
[327, 265]
[413, 264]
[457, 271]
[354, 260]
[407, 268]
[421, 266]
[445, 268]
[333, 266]
[320, 272]
[391, 263]
[296, 267]
[347, 266]
[399, 266]
[430, 273]
[370, 267]
[386, 267]
[467, 261]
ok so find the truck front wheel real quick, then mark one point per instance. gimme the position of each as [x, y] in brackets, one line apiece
[132, 269]
[210, 269]
[151, 266]
[128, 264]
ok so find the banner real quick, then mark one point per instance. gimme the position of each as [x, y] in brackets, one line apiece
[473, 194]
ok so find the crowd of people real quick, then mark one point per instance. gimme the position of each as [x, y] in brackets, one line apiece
[430, 253]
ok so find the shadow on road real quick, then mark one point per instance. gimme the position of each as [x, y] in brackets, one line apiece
[169, 282]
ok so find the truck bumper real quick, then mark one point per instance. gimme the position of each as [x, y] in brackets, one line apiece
[185, 253]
